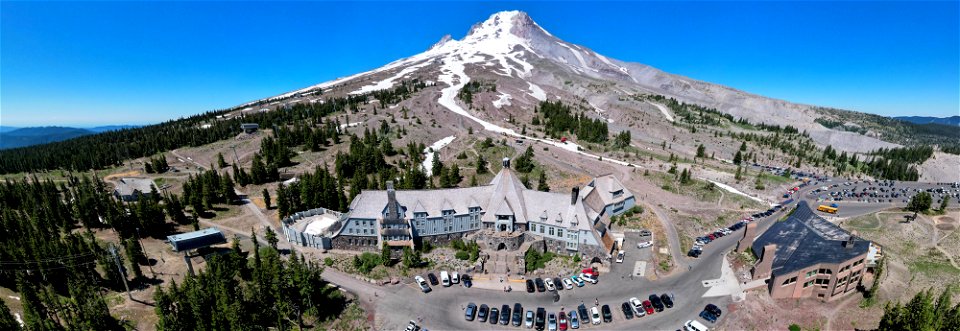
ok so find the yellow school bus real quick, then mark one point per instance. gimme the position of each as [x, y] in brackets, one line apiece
[827, 209]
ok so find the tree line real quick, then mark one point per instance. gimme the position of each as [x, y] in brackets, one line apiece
[560, 120]
[108, 149]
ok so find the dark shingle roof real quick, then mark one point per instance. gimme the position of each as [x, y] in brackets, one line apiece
[805, 239]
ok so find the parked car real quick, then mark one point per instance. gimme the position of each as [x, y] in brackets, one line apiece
[607, 315]
[530, 287]
[467, 281]
[584, 315]
[494, 316]
[455, 278]
[482, 313]
[638, 307]
[713, 309]
[577, 280]
[445, 278]
[595, 315]
[433, 279]
[620, 257]
[667, 301]
[517, 314]
[648, 307]
[644, 233]
[588, 277]
[471, 311]
[540, 286]
[567, 283]
[552, 322]
[505, 315]
[528, 321]
[645, 244]
[627, 310]
[422, 283]
[541, 318]
[550, 286]
[707, 316]
[562, 321]
[693, 325]
[657, 304]
[574, 320]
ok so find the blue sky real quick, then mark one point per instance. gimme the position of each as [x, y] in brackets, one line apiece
[85, 64]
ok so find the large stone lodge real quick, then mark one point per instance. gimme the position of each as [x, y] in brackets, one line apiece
[502, 215]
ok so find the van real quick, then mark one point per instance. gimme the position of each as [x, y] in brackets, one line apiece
[693, 325]
[445, 278]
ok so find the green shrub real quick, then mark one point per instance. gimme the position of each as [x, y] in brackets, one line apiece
[462, 255]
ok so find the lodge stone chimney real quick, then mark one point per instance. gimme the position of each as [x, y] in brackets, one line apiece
[749, 234]
[574, 193]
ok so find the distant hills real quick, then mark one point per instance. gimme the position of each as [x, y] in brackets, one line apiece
[13, 137]
[952, 120]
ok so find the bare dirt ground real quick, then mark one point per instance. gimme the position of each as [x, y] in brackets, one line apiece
[761, 312]
[942, 167]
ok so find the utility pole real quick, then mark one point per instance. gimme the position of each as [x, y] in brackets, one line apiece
[235, 157]
[116, 259]
[149, 265]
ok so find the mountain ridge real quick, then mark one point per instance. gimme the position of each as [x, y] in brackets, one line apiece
[511, 48]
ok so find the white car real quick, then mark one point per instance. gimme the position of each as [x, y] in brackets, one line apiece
[693, 325]
[445, 278]
[644, 244]
[455, 278]
[528, 322]
[638, 307]
[620, 256]
[422, 283]
[588, 278]
[568, 283]
[595, 315]
[550, 286]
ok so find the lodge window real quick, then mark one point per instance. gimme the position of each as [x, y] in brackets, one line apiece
[551, 231]
[824, 272]
[807, 284]
[810, 273]
[789, 281]
[823, 282]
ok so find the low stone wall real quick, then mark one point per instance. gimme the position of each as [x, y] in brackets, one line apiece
[444, 239]
[356, 243]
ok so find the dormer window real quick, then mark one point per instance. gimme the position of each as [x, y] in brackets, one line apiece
[617, 193]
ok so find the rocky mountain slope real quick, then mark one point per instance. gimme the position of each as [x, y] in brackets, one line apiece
[527, 64]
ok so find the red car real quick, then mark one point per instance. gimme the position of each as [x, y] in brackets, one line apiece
[563, 321]
[648, 307]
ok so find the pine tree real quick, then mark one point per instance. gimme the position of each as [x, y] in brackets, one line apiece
[7, 322]
[266, 198]
[542, 182]
[221, 163]
[737, 158]
[701, 151]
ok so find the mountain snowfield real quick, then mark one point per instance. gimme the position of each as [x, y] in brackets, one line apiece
[530, 65]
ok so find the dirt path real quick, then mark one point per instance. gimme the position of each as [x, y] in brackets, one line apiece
[672, 238]
[832, 312]
[187, 159]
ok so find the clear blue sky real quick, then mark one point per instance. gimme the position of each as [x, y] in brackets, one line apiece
[85, 64]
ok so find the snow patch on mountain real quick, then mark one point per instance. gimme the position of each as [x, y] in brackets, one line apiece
[503, 100]
[663, 109]
[431, 152]
[537, 92]
[388, 83]
[576, 53]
